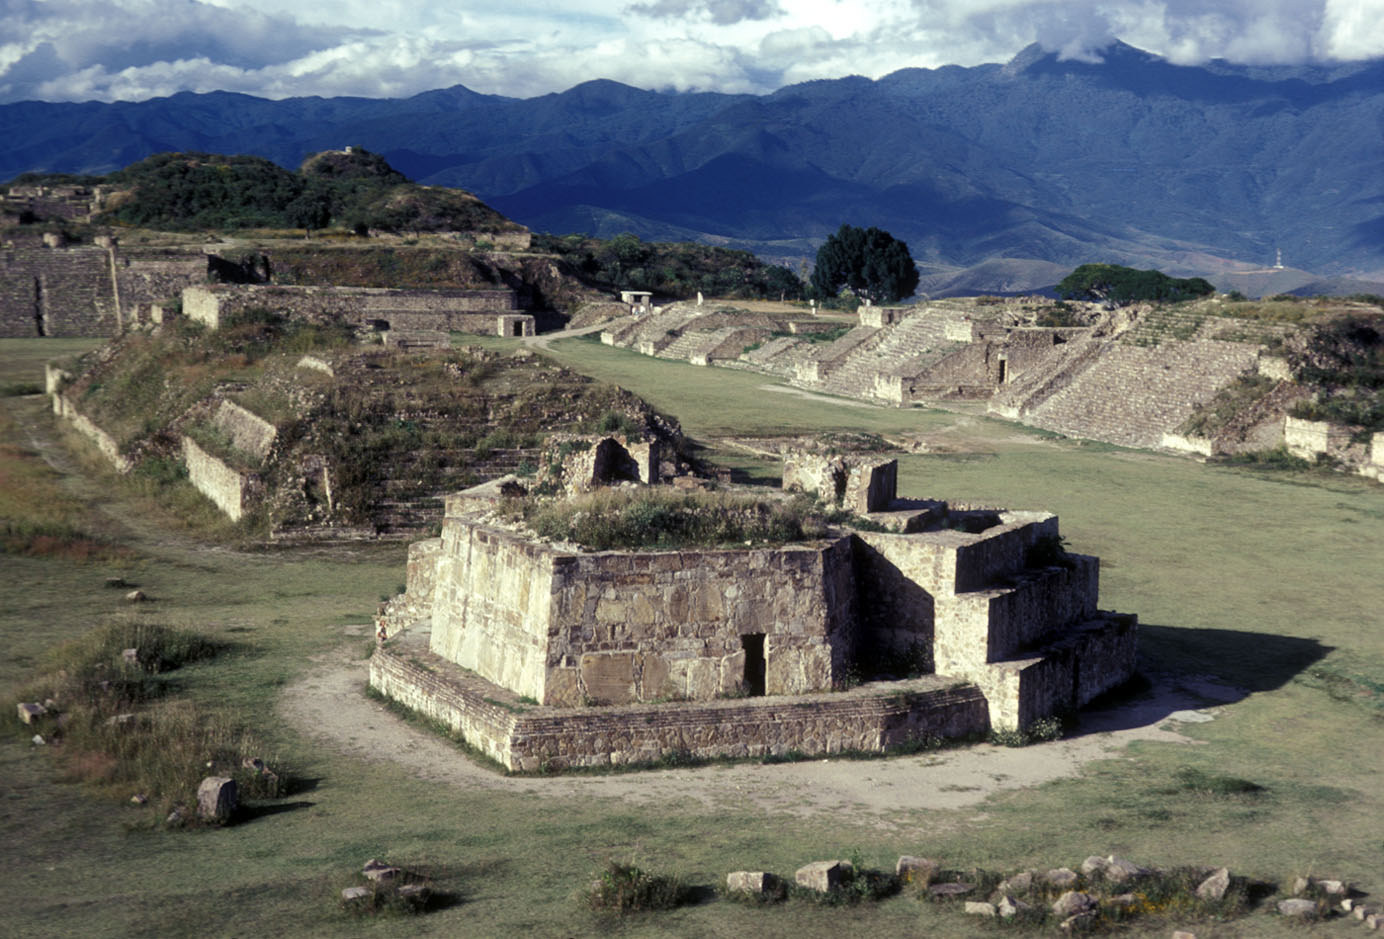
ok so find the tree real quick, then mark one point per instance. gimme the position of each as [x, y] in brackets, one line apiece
[871, 262]
[1114, 285]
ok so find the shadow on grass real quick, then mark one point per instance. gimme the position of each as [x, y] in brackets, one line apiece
[1252, 661]
[1186, 669]
[253, 813]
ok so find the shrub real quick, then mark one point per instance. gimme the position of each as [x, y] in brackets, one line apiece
[624, 888]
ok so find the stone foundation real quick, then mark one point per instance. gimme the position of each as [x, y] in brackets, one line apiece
[869, 719]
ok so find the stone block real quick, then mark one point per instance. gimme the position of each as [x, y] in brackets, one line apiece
[608, 677]
[1298, 908]
[562, 687]
[824, 876]
[756, 883]
[1120, 871]
[978, 908]
[31, 711]
[654, 677]
[380, 872]
[216, 798]
[1021, 882]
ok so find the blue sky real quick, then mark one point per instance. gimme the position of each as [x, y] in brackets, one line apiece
[74, 50]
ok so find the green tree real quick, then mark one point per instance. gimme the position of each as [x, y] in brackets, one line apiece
[1119, 286]
[872, 263]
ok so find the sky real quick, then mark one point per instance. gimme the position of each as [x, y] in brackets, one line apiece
[78, 50]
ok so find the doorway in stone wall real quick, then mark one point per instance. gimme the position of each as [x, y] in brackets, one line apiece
[753, 646]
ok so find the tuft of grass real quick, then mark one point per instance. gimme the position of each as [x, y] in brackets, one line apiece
[1041, 730]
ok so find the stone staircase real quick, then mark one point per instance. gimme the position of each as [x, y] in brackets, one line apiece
[1031, 388]
[1131, 394]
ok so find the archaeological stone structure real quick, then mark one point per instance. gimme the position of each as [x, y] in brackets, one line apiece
[49, 287]
[547, 655]
[386, 310]
[1132, 382]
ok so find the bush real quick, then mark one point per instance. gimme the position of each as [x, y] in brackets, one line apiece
[624, 888]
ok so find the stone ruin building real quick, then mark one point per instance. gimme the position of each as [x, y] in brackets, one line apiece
[1131, 381]
[544, 655]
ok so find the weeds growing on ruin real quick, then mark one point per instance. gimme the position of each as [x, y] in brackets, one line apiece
[616, 519]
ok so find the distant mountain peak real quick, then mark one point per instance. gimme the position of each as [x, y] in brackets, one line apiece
[1114, 52]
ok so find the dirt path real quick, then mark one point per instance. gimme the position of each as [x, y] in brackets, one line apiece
[328, 704]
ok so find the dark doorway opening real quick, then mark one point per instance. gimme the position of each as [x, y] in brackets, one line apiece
[753, 644]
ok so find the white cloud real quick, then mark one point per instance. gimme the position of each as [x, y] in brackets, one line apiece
[74, 49]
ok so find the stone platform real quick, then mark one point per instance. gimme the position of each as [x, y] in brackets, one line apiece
[521, 736]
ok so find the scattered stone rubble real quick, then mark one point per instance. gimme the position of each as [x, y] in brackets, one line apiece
[1074, 902]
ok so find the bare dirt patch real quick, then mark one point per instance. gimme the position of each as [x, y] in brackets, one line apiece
[328, 704]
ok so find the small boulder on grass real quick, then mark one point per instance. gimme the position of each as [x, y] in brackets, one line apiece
[759, 885]
[825, 876]
[1120, 871]
[1008, 907]
[1214, 887]
[1061, 877]
[977, 908]
[356, 895]
[31, 711]
[216, 799]
[1095, 864]
[1298, 908]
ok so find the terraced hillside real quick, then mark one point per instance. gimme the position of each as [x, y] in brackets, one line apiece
[299, 432]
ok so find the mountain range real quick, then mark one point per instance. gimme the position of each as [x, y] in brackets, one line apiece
[999, 177]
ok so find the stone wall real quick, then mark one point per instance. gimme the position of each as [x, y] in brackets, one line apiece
[1308, 439]
[1201, 446]
[532, 739]
[63, 407]
[87, 289]
[492, 606]
[415, 604]
[227, 488]
[248, 432]
[861, 484]
[1091, 659]
[563, 627]
[443, 308]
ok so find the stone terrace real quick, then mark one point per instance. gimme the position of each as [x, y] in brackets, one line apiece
[1132, 395]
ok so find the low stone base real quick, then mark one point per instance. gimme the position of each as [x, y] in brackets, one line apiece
[526, 737]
